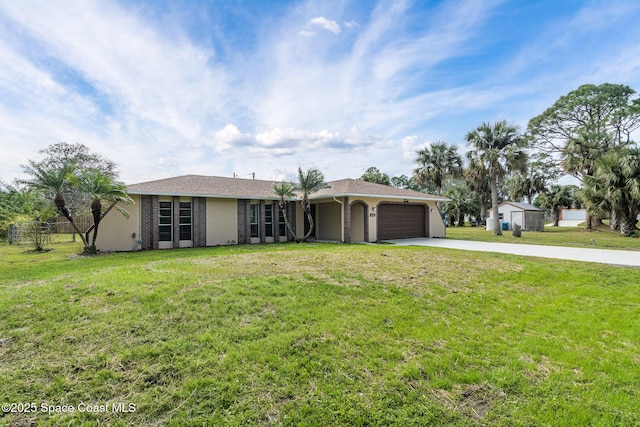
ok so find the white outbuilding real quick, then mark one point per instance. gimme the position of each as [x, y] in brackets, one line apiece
[529, 217]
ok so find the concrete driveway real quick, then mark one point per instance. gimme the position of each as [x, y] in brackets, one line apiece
[603, 256]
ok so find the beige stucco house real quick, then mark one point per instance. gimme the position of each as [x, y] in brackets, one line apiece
[195, 210]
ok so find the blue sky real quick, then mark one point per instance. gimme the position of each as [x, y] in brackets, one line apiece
[165, 88]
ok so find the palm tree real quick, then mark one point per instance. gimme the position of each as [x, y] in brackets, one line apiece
[538, 174]
[478, 182]
[614, 188]
[461, 203]
[579, 158]
[56, 183]
[437, 162]
[309, 182]
[499, 149]
[554, 199]
[285, 191]
[105, 194]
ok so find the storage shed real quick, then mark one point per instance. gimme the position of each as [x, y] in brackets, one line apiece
[529, 217]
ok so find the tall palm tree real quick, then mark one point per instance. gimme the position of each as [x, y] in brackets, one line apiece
[478, 182]
[285, 191]
[105, 194]
[499, 148]
[309, 182]
[55, 182]
[614, 188]
[579, 157]
[437, 162]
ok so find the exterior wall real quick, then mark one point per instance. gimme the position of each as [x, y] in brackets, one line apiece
[329, 221]
[115, 231]
[199, 221]
[299, 221]
[222, 221]
[505, 210]
[436, 226]
[358, 222]
[226, 221]
[534, 221]
[573, 214]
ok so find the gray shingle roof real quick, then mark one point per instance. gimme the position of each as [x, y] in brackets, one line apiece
[216, 186]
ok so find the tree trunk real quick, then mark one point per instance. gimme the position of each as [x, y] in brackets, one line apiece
[556, 215]
[587, 222]
[614, 220]
[628, 221]
[96, 210]
[311, 225]
[497, 228]
[286, 221]
[306, 207]
[61, 207]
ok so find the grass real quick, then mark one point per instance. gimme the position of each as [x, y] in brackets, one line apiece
[318, 334]
[576, 237]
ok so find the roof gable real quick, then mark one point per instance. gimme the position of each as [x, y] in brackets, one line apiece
[523, 206]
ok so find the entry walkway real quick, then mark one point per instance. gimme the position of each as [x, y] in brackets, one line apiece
[603, 256]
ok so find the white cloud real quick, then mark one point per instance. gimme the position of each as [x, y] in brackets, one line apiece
[327, 24]
[161, 100]
[229, 137]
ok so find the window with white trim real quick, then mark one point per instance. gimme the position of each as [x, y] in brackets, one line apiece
[268, 220]
[185, 221]
[165, 221]
[255, 220]
[282, 228]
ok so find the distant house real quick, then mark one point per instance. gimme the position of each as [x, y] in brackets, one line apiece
[573, 214]
[529, 217]
[196, 211]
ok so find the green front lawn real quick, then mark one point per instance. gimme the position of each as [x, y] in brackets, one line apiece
[318, 334]
[577, 237]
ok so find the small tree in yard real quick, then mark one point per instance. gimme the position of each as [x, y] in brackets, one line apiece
[308, 183]
[37, 229]
[285, 191]
[105, 194]
[63, 177]
[554, 199]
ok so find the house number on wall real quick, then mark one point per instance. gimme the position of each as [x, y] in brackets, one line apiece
[372, 215]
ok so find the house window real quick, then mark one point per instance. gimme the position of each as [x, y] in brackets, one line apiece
[268, 220]
[282, 228]
[255, 220]
[185, 221]
[165, 221]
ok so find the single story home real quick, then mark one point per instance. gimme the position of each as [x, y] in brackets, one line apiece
[196, 211]
[529, 217]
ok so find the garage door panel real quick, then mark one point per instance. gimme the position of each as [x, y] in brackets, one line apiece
[401, 221]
